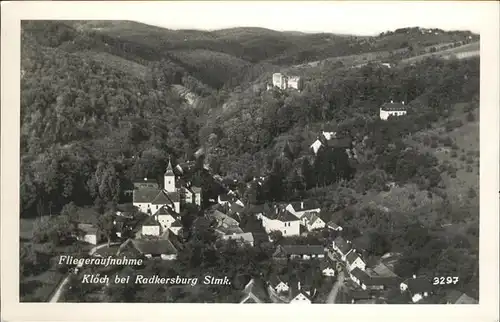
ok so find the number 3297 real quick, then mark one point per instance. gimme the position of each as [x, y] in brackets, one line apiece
[442, 280]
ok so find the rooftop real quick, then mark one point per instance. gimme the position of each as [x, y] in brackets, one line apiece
[144, 195]
[342, 244]
[393, 107]
[155, 247]
[303, 249]
[88, 228]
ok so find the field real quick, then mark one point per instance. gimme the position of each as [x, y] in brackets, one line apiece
[472, 48]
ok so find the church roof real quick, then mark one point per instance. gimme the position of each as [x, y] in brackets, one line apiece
[170, 170]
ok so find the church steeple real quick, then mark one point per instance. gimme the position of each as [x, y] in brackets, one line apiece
[169, 178]
[170, 170]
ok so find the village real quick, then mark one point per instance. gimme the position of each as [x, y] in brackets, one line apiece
[343, 265]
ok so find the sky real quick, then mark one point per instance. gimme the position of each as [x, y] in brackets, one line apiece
[344, 17]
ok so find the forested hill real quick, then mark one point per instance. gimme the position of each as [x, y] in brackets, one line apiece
[97, 98]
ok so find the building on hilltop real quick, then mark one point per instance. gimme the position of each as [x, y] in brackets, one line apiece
[284, 82]
[392, 109]
[150, 199]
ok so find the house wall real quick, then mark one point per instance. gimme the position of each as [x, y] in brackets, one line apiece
[168, 257]
[197, 199]
[328, 272]
[318, 224]
[177, 207]
[300, 298]
[166, 220]
[143, 206]
[281, 287]
[90, 238]
[384, 115]
[151, 230]
[291, 228]
[357, 263]
[175, 230]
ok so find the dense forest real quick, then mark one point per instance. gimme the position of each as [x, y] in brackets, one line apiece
[89, 126]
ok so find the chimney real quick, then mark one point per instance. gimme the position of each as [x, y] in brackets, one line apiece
[298, 286]
[301, 205]
[403, 102]
[414, 276]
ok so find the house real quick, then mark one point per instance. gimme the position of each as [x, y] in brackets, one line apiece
[162, 248]
[327, 268]
[149, 199]
[281, 220]
[300, 295]
[303, 252]
[176, 227]
[342, 247]
[150, 227]
[222, 219]
[353, 260]
[224, 199]
[456, 297]
[300, 208]
[146, 183]
[312, 221]
[246, 238]
[418, 288]
[165, 216]
[278, 285]
[89, 234]
[236, 208]
[255, 292]
[359, 277]
[392, 109]
[334, 226]
[295, 82]
[316, 145]
[383, 270]
[280, 81]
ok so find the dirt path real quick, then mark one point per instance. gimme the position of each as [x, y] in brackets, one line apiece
[335, 289]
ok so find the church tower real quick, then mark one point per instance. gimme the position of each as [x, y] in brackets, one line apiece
[169, 179]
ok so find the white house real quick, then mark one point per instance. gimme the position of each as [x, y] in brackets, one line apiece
[392, 109]
[334, 226]
[165, 217]
[418, 288]
[359, 277]
[342, 247]
[280, 81]
[294, 82]
[312, 221]
[175, 227]
[90, 234]
[151, 227]
[300, 208]
[278, 285]
[353, 260]
[316, 145]
[300, 296]
[284, 221]
[327, 268]
[328, 135]
[224, 200]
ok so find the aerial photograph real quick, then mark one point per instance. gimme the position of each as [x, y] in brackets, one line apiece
[248, 164]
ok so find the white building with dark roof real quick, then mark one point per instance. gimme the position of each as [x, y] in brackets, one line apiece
[150, 199]
[392, 109]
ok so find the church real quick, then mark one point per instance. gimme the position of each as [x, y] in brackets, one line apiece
[149, 198]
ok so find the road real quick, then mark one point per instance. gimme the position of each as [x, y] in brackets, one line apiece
[57, 294]
[335, 289]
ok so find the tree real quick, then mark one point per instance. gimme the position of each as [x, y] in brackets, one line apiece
[106, 226]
